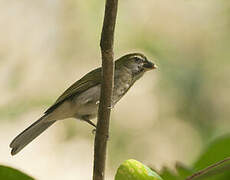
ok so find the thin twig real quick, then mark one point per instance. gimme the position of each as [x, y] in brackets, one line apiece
[102, 131]
[208, 169]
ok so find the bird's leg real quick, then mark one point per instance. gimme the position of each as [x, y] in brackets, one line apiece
[90, 122]
[86, 119]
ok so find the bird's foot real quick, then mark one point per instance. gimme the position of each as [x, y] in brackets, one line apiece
[107, 137]
[94, 131]
[111, 107]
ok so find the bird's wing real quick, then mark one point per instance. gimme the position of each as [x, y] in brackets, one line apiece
[91, 79]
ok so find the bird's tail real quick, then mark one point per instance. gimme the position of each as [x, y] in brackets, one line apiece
[29, 134]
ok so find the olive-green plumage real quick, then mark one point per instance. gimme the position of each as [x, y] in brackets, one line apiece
[81, 100]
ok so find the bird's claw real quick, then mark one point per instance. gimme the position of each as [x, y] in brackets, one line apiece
[111, 107]
[94, 131]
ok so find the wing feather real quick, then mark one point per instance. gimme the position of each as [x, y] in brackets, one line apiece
[91, 79]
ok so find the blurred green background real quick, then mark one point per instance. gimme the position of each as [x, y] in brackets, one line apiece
[168, 116]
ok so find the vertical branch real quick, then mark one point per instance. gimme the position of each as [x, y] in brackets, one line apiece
[102, 133]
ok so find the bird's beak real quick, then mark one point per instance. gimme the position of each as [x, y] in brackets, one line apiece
[149, 65]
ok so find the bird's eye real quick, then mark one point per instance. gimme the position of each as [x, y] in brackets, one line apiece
[138, 60]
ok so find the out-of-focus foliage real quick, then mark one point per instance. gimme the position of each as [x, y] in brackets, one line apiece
[131, 169]
[181, 172]
[217, 150]
[134, 170]
[8, 173]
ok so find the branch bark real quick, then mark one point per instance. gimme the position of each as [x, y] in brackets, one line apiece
[102, 132]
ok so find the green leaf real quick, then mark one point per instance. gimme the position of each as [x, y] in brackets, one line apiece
[183, 171]
[134, 170]
[217, 150]
[167, 174]
[8, 173]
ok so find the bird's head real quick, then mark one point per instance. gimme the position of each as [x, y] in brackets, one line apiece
[136, 63]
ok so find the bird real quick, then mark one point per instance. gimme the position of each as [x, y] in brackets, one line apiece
[81, 100]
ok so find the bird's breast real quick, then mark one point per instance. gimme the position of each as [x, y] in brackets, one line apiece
[87, 102]
[121, 85]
